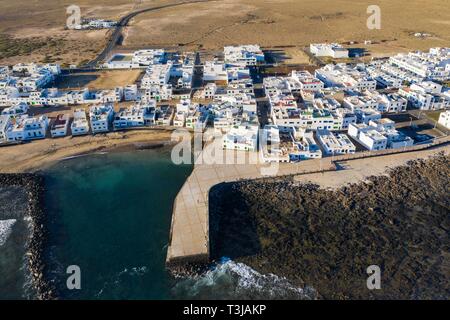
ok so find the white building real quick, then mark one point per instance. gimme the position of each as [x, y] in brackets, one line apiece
[243, 137]
[59, 126]
[247, 55]
[16, 110]
[146, 57]
[291, 146]
[444, 119]
[80, 125]
[26, 128]
[307, 81]
[101, 117]
[130, 92]
[368, 136]
[156, 74]
[335, 143]
[367, 115]
[432, 65]
[215, 71]
[346, 77]
[333, 50]
[139, 115]
[379, 135]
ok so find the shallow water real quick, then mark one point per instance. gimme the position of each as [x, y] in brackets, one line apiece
[110, 215]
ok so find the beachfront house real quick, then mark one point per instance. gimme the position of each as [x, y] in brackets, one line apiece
[59, 126]
[27, 128]
[101, 117]
[80, 124]
[139, 115]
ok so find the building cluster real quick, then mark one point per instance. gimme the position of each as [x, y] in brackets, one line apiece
[351, 98]
[87, 24]
[167, 75]
[233, 107]
[31, 84]
[24, 82]
[17, 125]
[328, 112]
[379, 135]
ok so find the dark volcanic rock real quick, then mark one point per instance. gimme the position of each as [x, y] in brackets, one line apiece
[326, 239]
[34, 185]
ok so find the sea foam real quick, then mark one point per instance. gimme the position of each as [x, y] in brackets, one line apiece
[232, 280]
[5, 230]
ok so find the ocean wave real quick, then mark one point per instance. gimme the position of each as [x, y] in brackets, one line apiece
[232, 280]
[5, 230]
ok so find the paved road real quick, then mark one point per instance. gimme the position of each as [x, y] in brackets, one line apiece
[117, 33]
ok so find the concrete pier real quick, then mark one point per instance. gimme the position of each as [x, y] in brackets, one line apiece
[189, 234]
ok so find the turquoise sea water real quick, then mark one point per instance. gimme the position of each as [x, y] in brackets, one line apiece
[110, 215]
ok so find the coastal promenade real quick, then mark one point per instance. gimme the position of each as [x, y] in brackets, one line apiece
[189, 234]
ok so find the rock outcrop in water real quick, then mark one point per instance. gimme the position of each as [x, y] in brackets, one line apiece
[34, 185]
[327, 238]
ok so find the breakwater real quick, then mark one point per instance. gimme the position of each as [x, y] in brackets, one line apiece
[34, 187]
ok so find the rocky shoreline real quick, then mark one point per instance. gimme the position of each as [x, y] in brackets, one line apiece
[34, 186]
[326, 239]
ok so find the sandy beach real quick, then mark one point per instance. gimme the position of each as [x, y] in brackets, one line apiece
[35, 155]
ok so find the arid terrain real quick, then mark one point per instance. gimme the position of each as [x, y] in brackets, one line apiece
[213, 24]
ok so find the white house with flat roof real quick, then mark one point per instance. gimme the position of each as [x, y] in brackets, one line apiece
[101, 117]
[16, 110]
[247, 55]
[80, 124]
[346, 76]
[243, 137]
[368, 136]
[59, 126]
[139, 115]
[333, 50]
[379, 135]
[27, 128]
[335, 143]
[216, 72]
